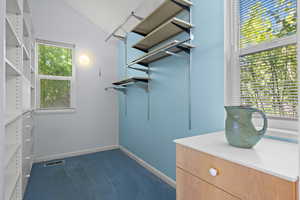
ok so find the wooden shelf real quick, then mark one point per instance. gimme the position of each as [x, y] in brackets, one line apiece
[13, 6]
[11, 69]
[162, 52]
[131, 80]
[12, 38]
[166, 31]
[169, 9]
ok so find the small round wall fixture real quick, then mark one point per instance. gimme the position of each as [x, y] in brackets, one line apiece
[84, 60]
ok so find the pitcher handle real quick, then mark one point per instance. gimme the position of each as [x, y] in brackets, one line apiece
[264, 129]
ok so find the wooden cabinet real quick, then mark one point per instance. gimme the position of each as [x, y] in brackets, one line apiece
[204, 177]
[190, 187]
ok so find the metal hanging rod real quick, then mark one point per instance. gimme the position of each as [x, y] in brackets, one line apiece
[113, 34]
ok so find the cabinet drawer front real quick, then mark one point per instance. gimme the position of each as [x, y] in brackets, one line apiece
[192, 188]
[235, 179]
[230, 177]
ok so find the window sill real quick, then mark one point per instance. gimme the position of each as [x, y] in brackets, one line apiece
[282, 135]
[59, 111]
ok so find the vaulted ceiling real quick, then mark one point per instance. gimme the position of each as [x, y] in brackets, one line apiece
[109, 14]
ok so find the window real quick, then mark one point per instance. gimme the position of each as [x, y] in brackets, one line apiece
[56, 76]
[261, 54]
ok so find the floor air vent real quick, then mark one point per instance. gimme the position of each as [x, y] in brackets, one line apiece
[54, 163]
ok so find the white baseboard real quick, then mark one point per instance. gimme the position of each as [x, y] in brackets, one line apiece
[149, 167]
[75, 153]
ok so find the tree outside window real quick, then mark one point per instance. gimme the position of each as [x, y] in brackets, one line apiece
[55, 73]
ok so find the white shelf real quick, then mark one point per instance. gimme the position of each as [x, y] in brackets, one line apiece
[26, 29]
[13, 6]
[9, 118]
[32, 69]
[19, 91]
[11, 69]
[26, 6]
[26, 53]
[11, 185]
[12, 38]
[11, 150]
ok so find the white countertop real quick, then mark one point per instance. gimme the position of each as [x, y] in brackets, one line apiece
[270, 156]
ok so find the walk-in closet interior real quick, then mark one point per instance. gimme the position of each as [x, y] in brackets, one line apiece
[149, 100]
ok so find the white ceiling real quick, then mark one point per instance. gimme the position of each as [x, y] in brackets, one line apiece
[109, 14]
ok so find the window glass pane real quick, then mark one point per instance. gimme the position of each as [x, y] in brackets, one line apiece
[264, 20]
[56, 61]
[55, 94]
[269, 81]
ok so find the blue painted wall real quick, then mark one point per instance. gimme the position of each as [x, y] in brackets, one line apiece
[152, 140]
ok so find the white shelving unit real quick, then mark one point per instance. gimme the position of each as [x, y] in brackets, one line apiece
[19, 97]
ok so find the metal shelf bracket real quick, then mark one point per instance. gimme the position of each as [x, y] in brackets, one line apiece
[120, 89]
[183, 28]
[181, 5]
[140, 69]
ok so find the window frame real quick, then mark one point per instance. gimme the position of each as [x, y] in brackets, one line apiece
[278, 127]
[71, 78]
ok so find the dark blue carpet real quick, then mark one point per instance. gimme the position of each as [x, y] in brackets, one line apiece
[109, 175]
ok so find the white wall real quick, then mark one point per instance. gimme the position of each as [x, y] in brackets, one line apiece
[95, 122]
[2, 97]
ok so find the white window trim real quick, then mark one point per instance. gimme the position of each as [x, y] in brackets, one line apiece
[72, 78]
[277, 127]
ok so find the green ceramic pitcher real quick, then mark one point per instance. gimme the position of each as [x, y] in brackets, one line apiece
[239, 129]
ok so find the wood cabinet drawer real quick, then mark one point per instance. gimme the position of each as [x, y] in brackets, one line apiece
[230, 177]
[192, 188]
[243, 182]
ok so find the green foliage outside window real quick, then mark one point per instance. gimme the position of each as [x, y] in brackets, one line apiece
[55, 94]
[269, 78]
[55, 61]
